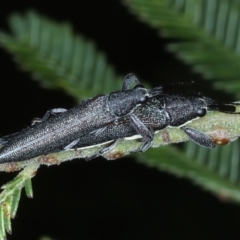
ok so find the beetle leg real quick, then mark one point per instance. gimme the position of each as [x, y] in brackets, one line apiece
[98, 131]
[72, 144]
[36, 121]
[104, 150]
[128, 81]
[141, 129]
[155, 91]
[53, 112]
[198, 137]
[108, 148]
[92, 157]
[48, 114]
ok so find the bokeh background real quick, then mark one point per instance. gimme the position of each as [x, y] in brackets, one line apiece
[103, 199]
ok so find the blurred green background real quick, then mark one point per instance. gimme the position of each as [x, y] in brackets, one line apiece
[124, 199]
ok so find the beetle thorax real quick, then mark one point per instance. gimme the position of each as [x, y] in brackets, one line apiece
[124, 102]
[182, 109]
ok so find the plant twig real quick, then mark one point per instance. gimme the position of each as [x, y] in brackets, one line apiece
[223, 129]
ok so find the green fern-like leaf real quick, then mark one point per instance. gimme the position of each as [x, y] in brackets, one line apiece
[58, 58]
[209, 34]
[209, 37]
[42, 47]
[216, 170]
[10, 196]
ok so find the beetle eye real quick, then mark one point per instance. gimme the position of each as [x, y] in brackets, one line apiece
[201, 112]
[143, 99]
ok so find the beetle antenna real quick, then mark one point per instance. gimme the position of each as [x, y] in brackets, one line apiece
[183, 83]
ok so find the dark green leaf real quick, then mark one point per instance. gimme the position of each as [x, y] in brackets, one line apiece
[58, 58]
[208, 32]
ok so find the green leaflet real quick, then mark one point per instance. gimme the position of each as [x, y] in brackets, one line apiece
[10, 196]
[58, 58]
[48, 57]
[210, 42]
[208, 34]
[216, 170]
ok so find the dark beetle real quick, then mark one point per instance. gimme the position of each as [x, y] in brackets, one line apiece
[65, 130]
[158, 112]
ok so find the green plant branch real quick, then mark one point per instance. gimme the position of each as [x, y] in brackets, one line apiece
[223, 128]
[60, 59]
[10, 196]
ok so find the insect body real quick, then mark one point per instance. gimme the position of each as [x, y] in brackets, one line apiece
[65, 130]
[158, 112]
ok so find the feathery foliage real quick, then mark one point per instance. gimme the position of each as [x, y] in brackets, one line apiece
[216, 170]
[59, 59]
[10, 196]
[207, 32]
[208, 39]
